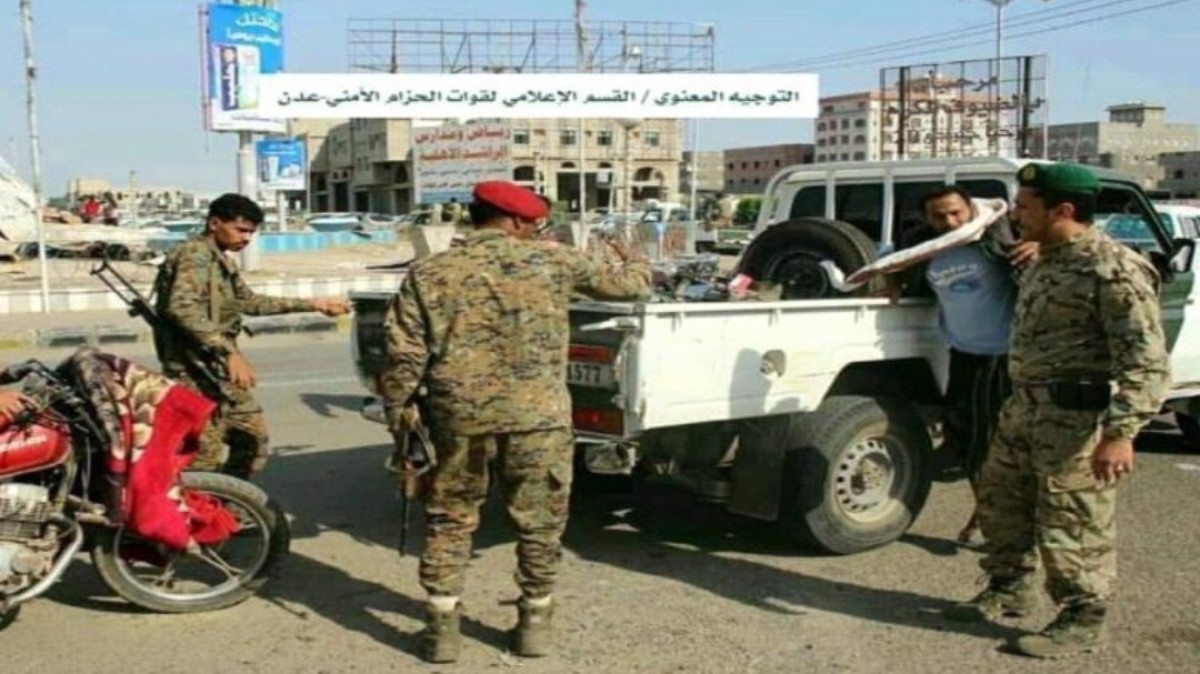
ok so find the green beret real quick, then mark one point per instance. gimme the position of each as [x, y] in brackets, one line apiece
[1059, 178]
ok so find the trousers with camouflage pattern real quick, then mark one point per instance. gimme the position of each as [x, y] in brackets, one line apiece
[236, 441]
[1037, 494]
[535, 470]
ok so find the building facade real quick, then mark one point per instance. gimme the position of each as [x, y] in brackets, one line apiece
[366, 165]
[1181, 174]
[1132, 141]
[623, 164]
[708, 169]
[749, 169]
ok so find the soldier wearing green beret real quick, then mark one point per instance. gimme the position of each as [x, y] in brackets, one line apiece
[1089, 367]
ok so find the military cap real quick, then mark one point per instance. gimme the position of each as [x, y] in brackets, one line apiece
[511, 198]
[1070, 178]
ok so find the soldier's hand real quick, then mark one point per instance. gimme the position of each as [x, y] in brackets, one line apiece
[240, 372]
[622, 249]
[331, 306]
[12, 403]
[1024, 252]
[1112, 459]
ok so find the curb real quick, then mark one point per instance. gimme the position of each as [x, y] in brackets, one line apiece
[15, 303]
[97, 335]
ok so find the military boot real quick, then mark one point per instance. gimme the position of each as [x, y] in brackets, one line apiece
[1077, 629]
[1003, 598]
[441, 640]
[533, 635]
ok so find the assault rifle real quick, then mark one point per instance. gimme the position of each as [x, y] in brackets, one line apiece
[413, 457]
[212, 368]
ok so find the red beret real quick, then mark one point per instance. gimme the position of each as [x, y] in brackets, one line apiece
[511, 198]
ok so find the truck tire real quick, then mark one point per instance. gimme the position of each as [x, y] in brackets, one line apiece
[790, 254]
[859, 476]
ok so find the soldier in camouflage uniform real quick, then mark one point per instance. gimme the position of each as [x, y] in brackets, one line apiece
[484, 328]
[202, 297]
[1088, 362]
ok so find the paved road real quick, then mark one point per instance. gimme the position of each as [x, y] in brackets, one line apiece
[664, 587]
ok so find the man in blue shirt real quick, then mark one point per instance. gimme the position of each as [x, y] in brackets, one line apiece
[976, 290]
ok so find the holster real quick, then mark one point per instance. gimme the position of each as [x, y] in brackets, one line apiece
[1092, 396]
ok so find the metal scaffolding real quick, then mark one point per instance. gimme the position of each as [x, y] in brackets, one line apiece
[534, 46]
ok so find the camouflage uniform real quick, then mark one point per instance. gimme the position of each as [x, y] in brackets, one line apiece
[484, 327]
[1086, 311]
[202, 297]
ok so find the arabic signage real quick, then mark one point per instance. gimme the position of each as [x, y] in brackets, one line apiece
[281, 164]
[449, 160]
[540, 95]
[241, 45]
[977, 108]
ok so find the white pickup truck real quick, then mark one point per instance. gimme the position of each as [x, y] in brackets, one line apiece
[817, 411]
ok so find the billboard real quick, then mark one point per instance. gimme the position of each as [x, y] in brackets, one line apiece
[977, 108]
[241, 43]
[282, 164]
[448, 160]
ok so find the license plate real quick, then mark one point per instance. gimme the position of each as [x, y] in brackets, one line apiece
[590, 374]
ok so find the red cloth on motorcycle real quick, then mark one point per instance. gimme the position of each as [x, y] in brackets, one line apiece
[153, 426]
[153, 510]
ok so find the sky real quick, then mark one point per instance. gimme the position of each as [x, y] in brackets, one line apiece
[118, 83]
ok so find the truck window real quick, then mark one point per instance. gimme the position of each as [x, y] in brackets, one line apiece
[861, 206]
[809, 202]
[858, 205]
[908, 197]
[1122, 215]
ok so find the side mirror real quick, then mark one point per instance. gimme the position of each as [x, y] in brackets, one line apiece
[1184, 255]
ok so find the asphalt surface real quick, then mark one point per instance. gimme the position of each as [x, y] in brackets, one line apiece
[655, 585]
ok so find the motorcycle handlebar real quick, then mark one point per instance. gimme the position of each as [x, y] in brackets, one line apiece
[16, 372]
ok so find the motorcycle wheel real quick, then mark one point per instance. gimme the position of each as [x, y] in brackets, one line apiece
[228, 573]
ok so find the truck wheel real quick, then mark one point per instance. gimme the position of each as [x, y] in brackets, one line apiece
[790, 254]
[860, 474]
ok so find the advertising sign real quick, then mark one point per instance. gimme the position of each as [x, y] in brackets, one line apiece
[450, 159]
[241, 43]
[975, 108]
[282, 165]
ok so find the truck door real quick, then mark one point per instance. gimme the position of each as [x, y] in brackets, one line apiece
[1124, 214]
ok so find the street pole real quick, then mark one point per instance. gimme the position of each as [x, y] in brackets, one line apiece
[35, 150]
[281, 209]
[694, 169]
[133, 199]
[1000, 5]
[581, 34]
[249, 257]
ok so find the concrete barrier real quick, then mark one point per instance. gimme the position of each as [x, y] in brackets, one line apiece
[292, 242]
[427, 240]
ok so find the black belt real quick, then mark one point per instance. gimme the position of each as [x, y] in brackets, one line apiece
[1070, 395]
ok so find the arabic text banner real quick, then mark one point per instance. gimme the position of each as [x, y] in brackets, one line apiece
[241, 44]
[540, 95]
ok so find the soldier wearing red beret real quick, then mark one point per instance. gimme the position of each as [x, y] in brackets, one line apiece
[483, 327]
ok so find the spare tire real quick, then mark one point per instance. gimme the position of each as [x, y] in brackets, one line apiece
[790, 254]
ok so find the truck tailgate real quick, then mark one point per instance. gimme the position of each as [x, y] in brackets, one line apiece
[368, 342]
[595, 367]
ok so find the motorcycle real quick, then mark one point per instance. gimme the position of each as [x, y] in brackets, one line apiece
[56, 500]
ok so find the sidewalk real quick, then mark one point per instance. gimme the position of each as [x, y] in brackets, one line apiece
[96, 328]
[73, 291]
